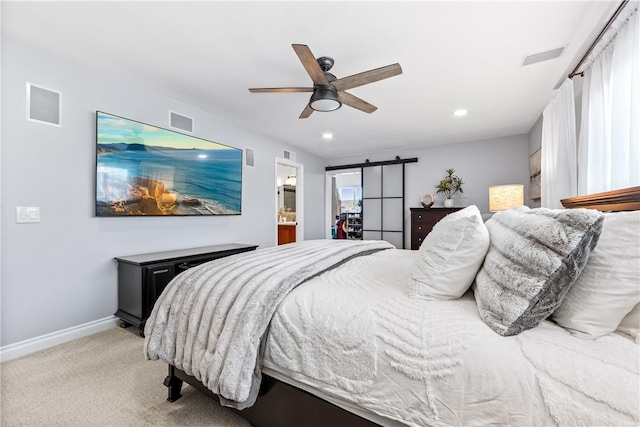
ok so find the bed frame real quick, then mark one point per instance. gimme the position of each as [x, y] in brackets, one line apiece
[282, 405]
[626, 199]
[278, 405]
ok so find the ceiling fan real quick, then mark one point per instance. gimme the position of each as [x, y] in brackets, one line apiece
[328, 92]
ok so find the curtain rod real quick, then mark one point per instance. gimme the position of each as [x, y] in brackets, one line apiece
[598, 38]
[367, 163]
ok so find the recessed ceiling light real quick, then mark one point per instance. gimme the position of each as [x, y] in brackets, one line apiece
[327, 135]
[460, 113]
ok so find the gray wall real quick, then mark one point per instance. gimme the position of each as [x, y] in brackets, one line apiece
[479, 163]
[60, 273]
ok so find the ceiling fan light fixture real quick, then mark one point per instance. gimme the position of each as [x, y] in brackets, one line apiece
[325, 99]
[329, 93]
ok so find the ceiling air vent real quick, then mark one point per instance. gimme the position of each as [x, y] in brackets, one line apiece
[542, 56]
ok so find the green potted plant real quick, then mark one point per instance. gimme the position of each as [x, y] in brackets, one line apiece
[449, 186]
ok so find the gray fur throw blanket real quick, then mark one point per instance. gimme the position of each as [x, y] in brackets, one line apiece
[210, 320]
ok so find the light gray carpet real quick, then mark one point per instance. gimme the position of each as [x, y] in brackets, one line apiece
[100, 380]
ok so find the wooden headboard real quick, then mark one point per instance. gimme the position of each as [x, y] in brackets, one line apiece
[626, 199]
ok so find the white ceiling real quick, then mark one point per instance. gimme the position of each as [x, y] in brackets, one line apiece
[208, 53]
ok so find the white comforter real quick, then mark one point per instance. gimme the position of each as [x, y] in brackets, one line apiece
[353, 335]
[211, 319]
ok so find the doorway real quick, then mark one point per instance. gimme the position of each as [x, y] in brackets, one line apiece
[344, 192]
[380, 215]
[289, 202]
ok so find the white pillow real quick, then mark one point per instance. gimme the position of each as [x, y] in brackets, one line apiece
[630, 325]
[450, 256]
[609, 286]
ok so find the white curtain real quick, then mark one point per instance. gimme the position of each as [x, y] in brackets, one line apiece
[609, 148]
[559, 159]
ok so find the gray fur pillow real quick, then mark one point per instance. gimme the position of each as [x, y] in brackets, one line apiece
[534, 257]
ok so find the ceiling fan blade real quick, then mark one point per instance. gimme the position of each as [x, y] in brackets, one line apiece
[280, 89]
[310, 64]
[367, 77]
[306, 112]
[357, 103]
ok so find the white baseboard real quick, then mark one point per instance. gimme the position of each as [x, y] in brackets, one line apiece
[32, 345]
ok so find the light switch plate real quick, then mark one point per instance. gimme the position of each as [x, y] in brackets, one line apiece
[25, 214]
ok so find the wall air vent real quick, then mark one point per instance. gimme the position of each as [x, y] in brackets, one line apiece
[542, 56]
[249, 159]
[180, 122]
[289, 155]
[44, 105]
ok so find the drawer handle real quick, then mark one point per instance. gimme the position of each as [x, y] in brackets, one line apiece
[419, 228]
[161, 271]
[419, 216]
[419, 239]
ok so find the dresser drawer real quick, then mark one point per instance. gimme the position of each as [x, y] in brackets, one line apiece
[418, 218]
[422, 229]
[417, 240]
[423, 220]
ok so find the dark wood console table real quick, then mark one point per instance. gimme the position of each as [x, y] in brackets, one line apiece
[143, 277]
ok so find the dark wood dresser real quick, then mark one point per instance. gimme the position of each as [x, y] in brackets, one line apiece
[423, 220]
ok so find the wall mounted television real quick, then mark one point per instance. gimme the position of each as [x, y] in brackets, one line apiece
[145, 170]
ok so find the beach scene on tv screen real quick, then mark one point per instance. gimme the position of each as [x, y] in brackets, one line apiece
[146, 170]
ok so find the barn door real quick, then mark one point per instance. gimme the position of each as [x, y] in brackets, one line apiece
[383, 203]
[382, 213]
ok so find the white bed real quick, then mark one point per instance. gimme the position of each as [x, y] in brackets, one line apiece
[337, 336]
[390, 336]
